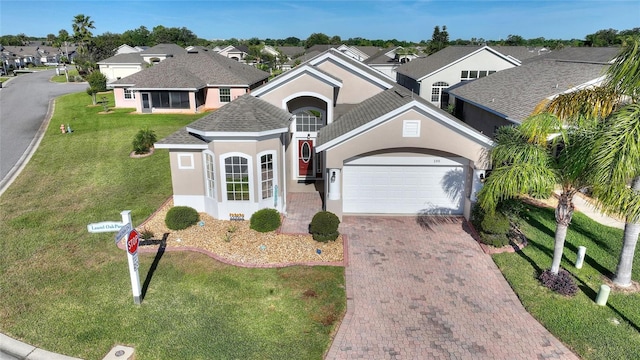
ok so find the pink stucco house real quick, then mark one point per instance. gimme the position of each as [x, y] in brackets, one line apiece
[197, 80]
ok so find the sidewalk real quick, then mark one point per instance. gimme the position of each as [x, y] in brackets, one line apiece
[594, 214]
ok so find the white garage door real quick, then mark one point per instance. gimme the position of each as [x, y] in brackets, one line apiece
[404, 189]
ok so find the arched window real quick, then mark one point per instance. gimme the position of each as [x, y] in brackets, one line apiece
[436, 90]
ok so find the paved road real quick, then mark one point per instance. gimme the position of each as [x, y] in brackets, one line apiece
[24, 101]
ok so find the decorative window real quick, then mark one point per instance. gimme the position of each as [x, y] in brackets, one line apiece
[210, 175]
[309, 120]
[411, 128]
[225, 95]
[436, 90]
[129, 94]
[266, 175]
[237, 177]
[185, 162]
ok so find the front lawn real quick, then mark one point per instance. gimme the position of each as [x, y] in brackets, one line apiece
[68, 291]
[592, 331]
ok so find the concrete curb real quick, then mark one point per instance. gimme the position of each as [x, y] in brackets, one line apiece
[21, 350]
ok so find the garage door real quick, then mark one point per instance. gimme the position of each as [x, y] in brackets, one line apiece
[404, 189]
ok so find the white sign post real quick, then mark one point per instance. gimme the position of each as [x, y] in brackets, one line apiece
[132, 257]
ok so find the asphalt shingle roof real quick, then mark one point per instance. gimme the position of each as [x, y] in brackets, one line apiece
[516, 92]
[420, 67]
[182, 137]
[127, 58]
[164, 49]
[194, 70]
[244, 114]
[601, 55]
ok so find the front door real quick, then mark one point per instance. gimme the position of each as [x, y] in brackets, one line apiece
[146, 103]
[305, 158]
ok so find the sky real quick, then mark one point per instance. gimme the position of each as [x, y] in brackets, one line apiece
[381, 19]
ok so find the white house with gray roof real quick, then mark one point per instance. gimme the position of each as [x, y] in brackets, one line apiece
[429, 76]
[334, 126]
[510, 96]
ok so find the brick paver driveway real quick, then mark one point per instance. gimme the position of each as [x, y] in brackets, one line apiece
[419, 291]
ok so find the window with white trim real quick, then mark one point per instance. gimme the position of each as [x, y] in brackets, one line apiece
[309, 120]
[237, 178]
[436, 90]
[225, 95]
[266, 175]
[210, 175]
[466, 75]
[129, 94]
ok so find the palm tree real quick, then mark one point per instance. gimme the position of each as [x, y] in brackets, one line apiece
[532, 159]
[81, 33]
[616, 153]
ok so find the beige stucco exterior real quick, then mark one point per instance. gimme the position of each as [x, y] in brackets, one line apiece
[355, 88]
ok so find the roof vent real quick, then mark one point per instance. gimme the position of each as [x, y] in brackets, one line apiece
[192, 51]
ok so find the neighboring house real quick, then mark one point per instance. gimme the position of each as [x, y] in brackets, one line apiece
[429, 76]
[291, 52]
[126, 49]
[122, 65]
[334, 126]
[510, 96]
[388, 60]
[187, 83]
[238, 53]
[160, 52]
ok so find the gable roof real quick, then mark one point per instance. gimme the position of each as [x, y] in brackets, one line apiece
[514, 93]
[380, 107]
[124, 58]
[163, 49]
[194, 70]
[291, 51]
[310, 67]
[246, 114]
[422, 67]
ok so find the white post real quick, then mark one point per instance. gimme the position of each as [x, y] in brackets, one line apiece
[132, 259]
[476, 183]
[581, 252]
[603, 295]
[334, 184]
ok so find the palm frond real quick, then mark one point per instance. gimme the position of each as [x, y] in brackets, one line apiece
[594, 102]
[624, 73]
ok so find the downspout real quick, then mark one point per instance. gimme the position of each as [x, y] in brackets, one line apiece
[284, 174]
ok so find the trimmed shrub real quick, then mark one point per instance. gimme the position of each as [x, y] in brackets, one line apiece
[181, 217]
[143, 141]
[496, 223]
[562, 283]
[497, 240]
[265, 220]
[324, 226]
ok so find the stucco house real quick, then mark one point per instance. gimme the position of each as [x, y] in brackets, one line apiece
[197, 80]
[510, 96]
[121, 65]
[333, 126]
[429, 76]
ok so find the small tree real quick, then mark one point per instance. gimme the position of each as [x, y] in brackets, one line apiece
[97, 83]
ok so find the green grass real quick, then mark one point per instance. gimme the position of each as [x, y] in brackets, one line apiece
[73, 73]
[587, 328]
[66, 290]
